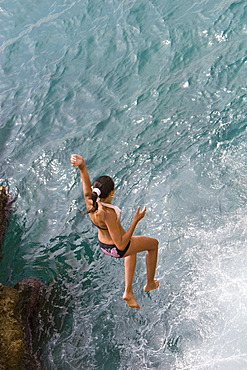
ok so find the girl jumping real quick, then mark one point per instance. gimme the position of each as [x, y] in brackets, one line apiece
[113, 239]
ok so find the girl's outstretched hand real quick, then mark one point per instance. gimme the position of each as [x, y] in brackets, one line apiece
[77, 161]
[139, 214]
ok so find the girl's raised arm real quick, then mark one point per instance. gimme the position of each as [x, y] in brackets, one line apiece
[77, 161]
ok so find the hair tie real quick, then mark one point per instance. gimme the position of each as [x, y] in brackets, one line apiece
[97, 191]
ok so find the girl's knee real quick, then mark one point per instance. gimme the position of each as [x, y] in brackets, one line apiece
[156, 243]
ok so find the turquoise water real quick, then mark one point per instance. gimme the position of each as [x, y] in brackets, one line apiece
[152, 93]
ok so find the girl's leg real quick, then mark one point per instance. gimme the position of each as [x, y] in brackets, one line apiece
[150, 245]
[129, 265]
[151, 260]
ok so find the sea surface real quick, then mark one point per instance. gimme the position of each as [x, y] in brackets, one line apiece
[154, 94]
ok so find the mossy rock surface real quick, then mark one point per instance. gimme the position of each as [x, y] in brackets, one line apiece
[12, 347]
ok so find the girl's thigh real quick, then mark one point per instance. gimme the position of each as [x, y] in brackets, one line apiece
[141, 243]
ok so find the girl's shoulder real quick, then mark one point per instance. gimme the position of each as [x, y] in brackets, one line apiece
[112, 209]
[104, 211]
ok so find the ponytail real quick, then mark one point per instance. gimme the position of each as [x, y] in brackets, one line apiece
[95, 204]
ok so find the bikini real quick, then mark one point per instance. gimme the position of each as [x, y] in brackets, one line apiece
[111, 249]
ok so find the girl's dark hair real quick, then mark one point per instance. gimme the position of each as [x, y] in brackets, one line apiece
[105, 184]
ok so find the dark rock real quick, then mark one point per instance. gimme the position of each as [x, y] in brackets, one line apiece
[5, 201]
[31, 291]
[19, 308]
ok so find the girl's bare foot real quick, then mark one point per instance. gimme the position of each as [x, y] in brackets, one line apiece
[130, 300]
[154, 285]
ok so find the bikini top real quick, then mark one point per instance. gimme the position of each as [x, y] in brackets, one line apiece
[116, 209]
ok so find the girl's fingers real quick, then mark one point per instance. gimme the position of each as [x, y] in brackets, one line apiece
[73, 159]
[143, 211]
[138, 210]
